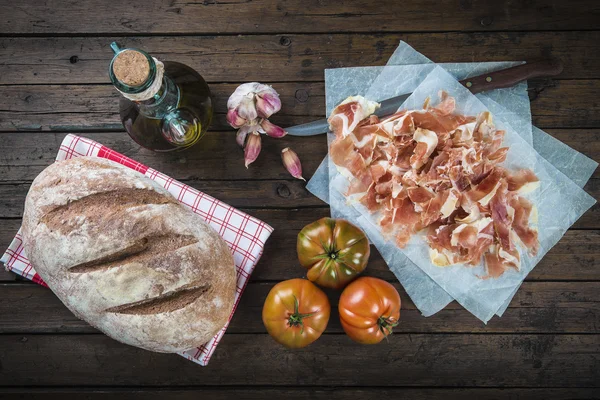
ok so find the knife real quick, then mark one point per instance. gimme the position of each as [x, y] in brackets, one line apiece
[494, 80]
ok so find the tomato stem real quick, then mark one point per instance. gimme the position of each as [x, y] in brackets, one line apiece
[386, 324]
[296, 318]
[332, 255]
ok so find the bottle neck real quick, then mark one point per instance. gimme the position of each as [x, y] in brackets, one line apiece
[141, 79]
[165, 100]
[135, 74]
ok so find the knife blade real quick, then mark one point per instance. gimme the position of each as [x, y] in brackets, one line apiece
[495, 80]
[320, 126]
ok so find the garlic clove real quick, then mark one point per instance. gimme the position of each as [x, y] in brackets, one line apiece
[252, 149]
[292, 163]
[242, 91]
[267, 102]
[246, 109]
[272, 129]
[241, 135]
[234, 119]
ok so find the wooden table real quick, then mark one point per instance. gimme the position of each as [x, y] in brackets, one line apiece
[53, 75]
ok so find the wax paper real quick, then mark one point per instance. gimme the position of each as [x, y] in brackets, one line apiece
[510, 104]
[514, 99]
[559, 201]
[367, 81]
[396, 80]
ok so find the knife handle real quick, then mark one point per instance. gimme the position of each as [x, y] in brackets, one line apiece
[511, 76]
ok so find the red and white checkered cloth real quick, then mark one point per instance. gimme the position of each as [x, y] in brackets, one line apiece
[244, 234]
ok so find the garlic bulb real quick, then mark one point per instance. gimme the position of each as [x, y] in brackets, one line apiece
[252, 100]
[248, 108]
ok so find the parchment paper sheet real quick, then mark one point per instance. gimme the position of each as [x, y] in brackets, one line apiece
[559, 201]
[506, 104]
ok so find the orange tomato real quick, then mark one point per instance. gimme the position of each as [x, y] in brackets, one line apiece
[369, 309]
[296, 313]
[334, 251]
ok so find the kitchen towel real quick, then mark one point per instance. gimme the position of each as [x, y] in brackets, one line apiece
[244, 234]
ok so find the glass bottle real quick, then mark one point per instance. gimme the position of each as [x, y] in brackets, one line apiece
[164, 106]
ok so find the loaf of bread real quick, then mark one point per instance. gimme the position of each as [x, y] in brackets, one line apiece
[122, 254]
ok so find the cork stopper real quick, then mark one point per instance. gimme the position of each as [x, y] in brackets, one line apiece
[131, 68]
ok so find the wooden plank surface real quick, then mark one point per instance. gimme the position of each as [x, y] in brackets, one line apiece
[301, 393]
[283, 194]
[240, 194]
[576, 257]
[538, 307]
[220, 158]
[6, 276]
[554, 104]
[217, 157]
[288, 57]
[540, 360]
[53, 78]
[210, 17]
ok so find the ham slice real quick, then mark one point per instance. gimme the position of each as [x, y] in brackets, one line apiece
[528, 236]
[502, 214]
[426, 142]
[419, 194]
[523, 180]
[438, 170]
[498, 260]
[349, 113]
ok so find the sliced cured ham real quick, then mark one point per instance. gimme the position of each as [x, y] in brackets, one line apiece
[498, 260]
[503, 215]
[438, 170]
[528, 235]
[419, 194]
[523, 180]
[485, 190]
[349, 113]
[427, 141]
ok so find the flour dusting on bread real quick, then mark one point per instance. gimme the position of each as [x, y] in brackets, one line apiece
[125, 256]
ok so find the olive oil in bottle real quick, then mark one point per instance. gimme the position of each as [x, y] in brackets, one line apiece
[164, 106]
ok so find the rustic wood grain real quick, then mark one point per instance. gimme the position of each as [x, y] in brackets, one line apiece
[216, 157]
[538, 307]
[263, 194]
[64, 107]
[53, 79]
[554, 104]
[85, 60]
[576, 257]
[6, 276]
[210, 17]
[300, 393]
[333, 360]
[240, 194]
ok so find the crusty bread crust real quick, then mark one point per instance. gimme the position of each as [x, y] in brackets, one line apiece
[126, 257]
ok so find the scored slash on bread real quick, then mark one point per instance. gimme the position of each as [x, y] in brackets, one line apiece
[171, 301]
[141, 250]
[126, 257]
[115, 200]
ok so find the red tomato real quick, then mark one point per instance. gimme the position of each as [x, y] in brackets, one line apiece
[334, 251]
[369, 310]
[296, 313]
